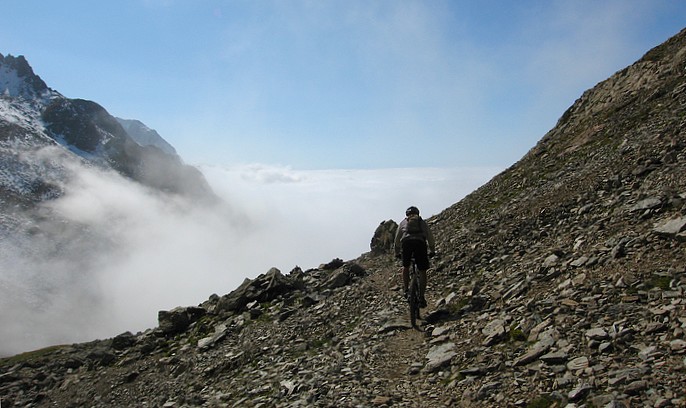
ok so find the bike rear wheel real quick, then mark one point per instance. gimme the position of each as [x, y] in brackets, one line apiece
[414, 299]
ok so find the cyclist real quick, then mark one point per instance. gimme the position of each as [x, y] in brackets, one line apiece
[411, 239]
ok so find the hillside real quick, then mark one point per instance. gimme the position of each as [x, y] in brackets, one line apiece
[561, 282]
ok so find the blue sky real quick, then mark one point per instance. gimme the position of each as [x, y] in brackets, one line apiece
[337, 84]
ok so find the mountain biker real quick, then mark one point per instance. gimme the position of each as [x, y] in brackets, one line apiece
[411, 239]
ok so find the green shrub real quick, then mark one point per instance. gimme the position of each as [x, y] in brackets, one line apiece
[661, 282]
[542, 401]
[516, 334]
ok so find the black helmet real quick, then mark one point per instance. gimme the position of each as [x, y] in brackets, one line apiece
[412, 210]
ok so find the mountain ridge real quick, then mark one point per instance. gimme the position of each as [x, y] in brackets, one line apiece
[18, 78]
[89, 131]
[145, 136]
[560, 282]
[37, 121]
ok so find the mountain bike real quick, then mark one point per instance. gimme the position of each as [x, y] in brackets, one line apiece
[413, 294]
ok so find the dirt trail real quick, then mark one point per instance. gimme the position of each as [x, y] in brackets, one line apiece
[404, 350]
[402, 354]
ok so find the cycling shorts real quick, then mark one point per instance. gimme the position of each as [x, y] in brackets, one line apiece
[416, 247]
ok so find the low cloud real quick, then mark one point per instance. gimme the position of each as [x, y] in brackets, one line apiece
[129, 252]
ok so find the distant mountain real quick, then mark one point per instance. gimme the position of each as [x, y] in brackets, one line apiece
[33, 116]
[145, 136]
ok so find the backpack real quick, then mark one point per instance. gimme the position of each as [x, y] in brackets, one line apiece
[414, 224]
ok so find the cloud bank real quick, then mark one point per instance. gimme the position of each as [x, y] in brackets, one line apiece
[129, 252]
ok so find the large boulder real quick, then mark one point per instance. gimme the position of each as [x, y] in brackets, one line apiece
[384, 235]
[178, 319]
[343, 276]
[124, 341]
[264, 288]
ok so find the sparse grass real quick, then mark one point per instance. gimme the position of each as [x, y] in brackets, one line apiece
[455, 377]
[265, 317]
[455, 307]
[516, 334]
[661, 282]
[202, 328]
[316, 344]
[29, 355]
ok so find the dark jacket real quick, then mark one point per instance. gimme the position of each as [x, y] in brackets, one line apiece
[401, 234]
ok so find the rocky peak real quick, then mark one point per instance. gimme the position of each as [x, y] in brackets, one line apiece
[17, 78]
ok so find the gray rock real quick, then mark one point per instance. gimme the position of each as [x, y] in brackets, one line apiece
[382, 240]
[605, 347]
[393, 325]
[493, 332]
[123, 341]
[636, 387]
[580, 261]
[101, 356]
[486, 390]
[178, 319]
[671, 227]
[264, 288]
[338, 279]
[647, 204]
[597, 333]
[555, 357]
[578, 363]
[677, 345]
[439, 356]
[219, 333]
[535, 351]
[580, 392]
[551, 260]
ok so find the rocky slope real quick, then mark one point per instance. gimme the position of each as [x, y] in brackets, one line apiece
[561, 282]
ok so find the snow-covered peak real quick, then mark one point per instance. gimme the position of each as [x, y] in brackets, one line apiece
[17, 79]
[10, 83]
[33, 116]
